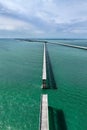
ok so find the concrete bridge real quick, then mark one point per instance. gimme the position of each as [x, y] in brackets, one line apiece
[44, 121]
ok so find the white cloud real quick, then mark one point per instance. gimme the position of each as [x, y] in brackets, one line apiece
[79, 30]
[7, 23]
[56, 10]
[44, 16]
[12, 5]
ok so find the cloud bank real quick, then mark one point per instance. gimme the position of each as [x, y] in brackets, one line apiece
[43, 18]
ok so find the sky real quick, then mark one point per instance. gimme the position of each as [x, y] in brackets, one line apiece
[43, 18]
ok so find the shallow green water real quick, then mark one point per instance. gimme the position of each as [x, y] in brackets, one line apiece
[70, 99]
[20, 86]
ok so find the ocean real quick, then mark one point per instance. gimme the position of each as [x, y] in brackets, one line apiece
[21, 79]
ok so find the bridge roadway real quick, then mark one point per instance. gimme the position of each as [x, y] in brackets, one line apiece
[44, 121]
[69, 45]
[44, 74]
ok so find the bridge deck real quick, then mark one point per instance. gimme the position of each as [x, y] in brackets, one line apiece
[44, 64]
[44, 122]
[44, 74]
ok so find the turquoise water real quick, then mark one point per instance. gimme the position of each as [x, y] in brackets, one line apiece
[70, 72]
[20, 85]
